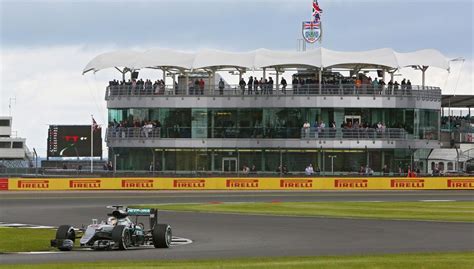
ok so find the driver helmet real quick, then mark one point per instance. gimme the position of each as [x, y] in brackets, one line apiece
[112, 220]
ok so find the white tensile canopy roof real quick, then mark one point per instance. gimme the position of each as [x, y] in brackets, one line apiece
[262, 58]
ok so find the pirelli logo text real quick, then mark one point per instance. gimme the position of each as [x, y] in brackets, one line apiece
[407, 183]
[85, 184]
[137, 183]
[296, 183]
[189, 183]
[460, 183]
[351, 183]
[33, 184]
[242, 183]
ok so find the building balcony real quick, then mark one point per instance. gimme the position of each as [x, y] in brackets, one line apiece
[187, 137]
[310, 95]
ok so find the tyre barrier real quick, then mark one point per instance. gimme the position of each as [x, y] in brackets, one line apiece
[248, 183]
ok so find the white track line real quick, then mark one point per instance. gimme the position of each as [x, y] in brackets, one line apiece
[437, 200]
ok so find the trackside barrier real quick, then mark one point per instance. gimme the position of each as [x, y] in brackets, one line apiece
[250, 183]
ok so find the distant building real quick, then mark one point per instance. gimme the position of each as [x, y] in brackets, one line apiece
[320, 116]
[13, 150]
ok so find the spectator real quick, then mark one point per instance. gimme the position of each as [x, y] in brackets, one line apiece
[242, 85]
[283, 85]
[196, 87]
[110, 166]
[221, 86]
[306, 127]
[294, 85]
[270, 85]
[309, 170]
[385, 170]
[201, 86]
[253, 169]
[284, 169]
[250, 85]
[368, 171]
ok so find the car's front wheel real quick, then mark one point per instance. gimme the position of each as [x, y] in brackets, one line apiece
[65, 232]
[162, 236]
[121, 236]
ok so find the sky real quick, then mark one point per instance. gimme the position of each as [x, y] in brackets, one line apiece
[44, 45]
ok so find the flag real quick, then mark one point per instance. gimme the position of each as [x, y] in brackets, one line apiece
[310, 25]
[95, 126]
[316, 8]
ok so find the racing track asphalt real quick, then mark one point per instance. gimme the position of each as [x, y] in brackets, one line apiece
[233, 235]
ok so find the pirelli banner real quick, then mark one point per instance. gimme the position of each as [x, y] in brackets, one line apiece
[251, 183]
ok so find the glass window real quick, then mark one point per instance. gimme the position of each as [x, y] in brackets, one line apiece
[4, 123]
[5, 145]
[17, 145]
[450, 166]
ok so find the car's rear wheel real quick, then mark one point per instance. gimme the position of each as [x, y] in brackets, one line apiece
[121, 236]
[162, 236]
[65, 232]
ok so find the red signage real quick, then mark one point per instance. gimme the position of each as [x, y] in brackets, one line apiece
[461, 183]
[351, 183]
[189, 183]
[33, 184]
[242, 183]
[407, 183]
[296, 183]
[3, 184]
[137, 183]
[85, 184]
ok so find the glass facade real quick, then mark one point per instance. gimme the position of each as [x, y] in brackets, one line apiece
[273, 122]
[265, 160]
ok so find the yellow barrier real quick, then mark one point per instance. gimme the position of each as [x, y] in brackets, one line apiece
[249, 183]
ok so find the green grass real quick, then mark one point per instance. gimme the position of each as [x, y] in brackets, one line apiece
[428, 211]
[25, 239]
[406, 261]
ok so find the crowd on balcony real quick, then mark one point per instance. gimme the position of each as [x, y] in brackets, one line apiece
[133, 86]
[348, 129]
[138, 127]
[457, 122]
[264, 86]
[153, 128]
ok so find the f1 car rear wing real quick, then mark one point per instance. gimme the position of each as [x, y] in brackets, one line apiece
[141, 211]
[147, 212]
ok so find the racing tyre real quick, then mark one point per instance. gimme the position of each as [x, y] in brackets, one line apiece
[162, 236]
[65, 232]
[121, 236]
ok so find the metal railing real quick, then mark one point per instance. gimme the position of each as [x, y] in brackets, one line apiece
[141, 133]
[426, 92]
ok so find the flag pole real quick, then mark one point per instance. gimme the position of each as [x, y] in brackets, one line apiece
[92, 144]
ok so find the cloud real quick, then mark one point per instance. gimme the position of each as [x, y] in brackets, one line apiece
[49, 88]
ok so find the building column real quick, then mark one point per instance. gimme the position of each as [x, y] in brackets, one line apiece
[423, 70]
[320, 76]
[174, 83]
[163, 160]
[164, 75]
[323, 168]
[213, 83]
[186, 82]
[213, 166]
[383, 160]
[277, 81]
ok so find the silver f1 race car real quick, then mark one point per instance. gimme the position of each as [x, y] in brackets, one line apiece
[118, 232]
